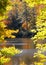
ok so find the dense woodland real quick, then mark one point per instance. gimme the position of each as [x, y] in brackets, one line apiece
[23, 19]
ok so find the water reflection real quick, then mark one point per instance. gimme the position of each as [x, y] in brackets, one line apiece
[27, 48]
[25, 58]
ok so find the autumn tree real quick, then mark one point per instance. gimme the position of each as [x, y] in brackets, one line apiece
[4, 32]
[24, 17]
[40, 29]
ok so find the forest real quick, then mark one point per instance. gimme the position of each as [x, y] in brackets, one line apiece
[22, 32]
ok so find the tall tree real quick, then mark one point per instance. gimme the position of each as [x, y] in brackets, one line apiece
[41, 30]
[24, 17]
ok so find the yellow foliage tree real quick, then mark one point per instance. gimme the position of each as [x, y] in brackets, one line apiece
[41, 29]
[4, 32]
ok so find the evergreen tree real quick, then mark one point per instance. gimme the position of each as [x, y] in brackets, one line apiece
[23, 17]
